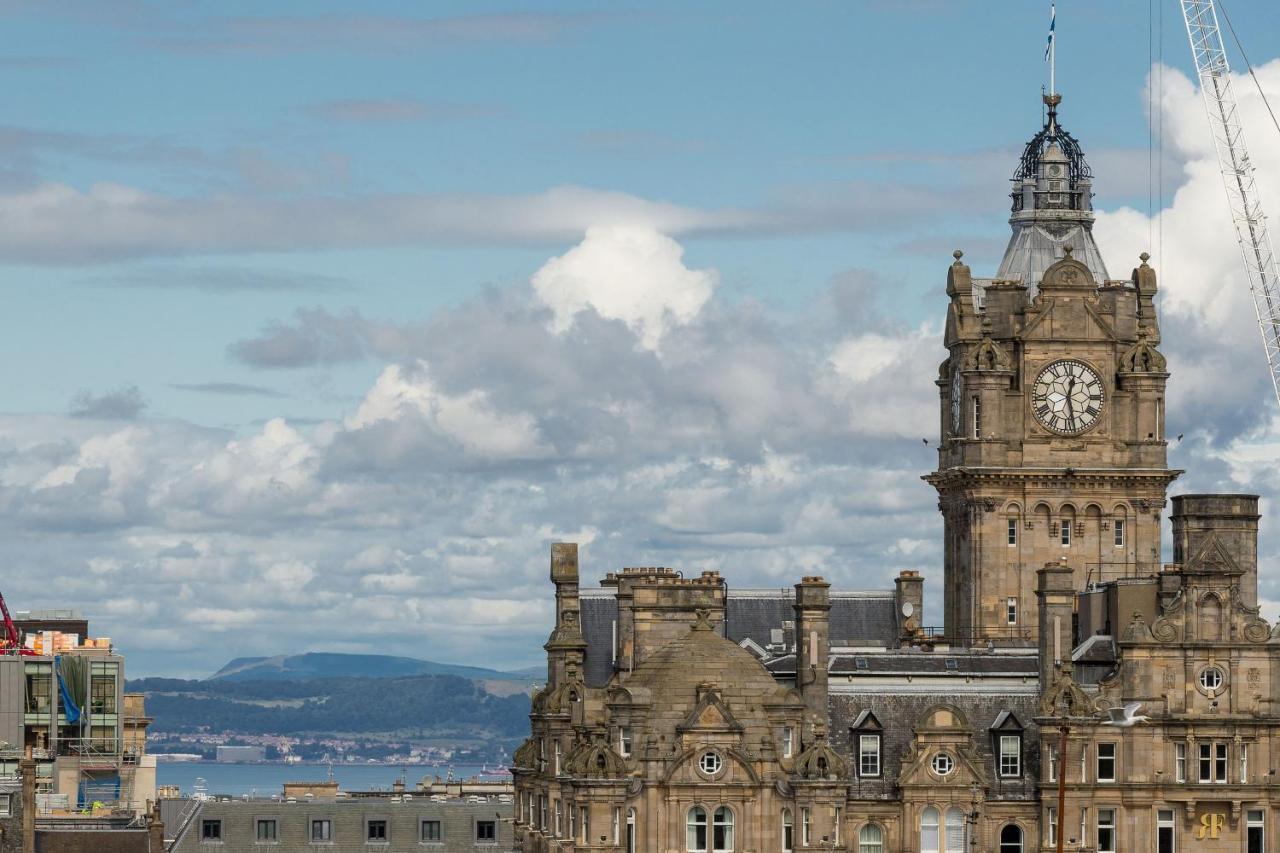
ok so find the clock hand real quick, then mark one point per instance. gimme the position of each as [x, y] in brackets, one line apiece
[1071, 387]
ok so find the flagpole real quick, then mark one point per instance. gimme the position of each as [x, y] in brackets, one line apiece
[1053, 48]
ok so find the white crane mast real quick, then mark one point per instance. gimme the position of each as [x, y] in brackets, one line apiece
[1237, 173]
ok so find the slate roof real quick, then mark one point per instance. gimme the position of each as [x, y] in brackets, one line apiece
[900, 715]
[856, 618]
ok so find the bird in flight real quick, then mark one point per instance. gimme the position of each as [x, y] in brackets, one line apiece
[1126, 716]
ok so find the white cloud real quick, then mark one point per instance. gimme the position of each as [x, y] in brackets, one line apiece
[468, 419]
[628, 273]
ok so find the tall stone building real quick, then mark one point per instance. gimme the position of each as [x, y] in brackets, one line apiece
[1080, 693]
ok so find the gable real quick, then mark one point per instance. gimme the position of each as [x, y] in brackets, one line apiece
[1068, 318]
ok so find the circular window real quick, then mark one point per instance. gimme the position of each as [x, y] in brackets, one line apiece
[943, 763]
[1211, 679]
[710, 763]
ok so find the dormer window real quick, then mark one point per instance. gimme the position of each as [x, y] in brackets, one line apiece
[1006, 744]
[865, 736]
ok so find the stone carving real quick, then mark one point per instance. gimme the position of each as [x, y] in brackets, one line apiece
[1142, 357]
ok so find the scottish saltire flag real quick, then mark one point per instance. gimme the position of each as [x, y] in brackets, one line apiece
[1053, 18]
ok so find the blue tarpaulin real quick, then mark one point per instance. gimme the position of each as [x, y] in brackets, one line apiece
[69, 708]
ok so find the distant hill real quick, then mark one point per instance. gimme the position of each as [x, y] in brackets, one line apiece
[313, 665]
[438, 707]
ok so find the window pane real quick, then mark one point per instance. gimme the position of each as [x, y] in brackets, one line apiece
[955, 831]
[929, 835]
[871, 839]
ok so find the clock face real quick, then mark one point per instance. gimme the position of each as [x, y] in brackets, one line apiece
[955, 400]
[1067, 397]
[1055, 170]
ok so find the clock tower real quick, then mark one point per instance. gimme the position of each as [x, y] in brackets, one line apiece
[1052, 399]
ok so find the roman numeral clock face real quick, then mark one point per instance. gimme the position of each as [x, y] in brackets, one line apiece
[1067, 397]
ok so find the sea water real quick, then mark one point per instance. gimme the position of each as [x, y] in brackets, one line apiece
[264, 780]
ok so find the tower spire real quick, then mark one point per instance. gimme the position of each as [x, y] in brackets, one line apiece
[1052, 205]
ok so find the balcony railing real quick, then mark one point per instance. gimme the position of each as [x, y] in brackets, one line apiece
[1004, 634]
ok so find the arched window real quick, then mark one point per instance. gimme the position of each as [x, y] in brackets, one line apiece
[929, 830]
[788, 832]
[955, 831]
[696, 830]
[871, 839]
[631, 831]
[722, 830]
[1011, 839]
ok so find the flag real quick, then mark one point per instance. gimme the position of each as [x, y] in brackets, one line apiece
[1053, 17]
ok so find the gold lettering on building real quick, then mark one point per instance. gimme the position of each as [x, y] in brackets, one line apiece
[1210, 826]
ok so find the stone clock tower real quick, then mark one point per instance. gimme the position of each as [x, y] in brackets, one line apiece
[1052, 401]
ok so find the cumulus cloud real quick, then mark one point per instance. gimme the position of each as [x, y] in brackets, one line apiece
[496, 427]
[632, 274]
[1210, 328]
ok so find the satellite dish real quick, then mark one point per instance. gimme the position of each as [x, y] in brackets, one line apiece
[908, 608]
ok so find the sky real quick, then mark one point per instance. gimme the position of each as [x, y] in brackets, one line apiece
[324, 319]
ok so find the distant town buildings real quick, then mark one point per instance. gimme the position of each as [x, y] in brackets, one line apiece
[1080, 695]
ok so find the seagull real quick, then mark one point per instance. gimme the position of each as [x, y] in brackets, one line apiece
[1127, 716]
[925, 440]
[1179, 436]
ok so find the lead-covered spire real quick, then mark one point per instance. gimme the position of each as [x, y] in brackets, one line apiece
[1052, 205]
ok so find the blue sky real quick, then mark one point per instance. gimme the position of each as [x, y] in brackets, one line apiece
[213, 215]
[705, 105]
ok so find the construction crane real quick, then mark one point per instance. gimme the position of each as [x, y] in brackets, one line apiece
[1237, 173]
[9, 643]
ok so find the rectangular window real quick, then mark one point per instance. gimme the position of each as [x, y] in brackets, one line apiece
[1118, 527]
[1106, 762]
[1180, 762]
[1052, 822]
[617, 824]
[573, 823]
[6, 806]
[1053, 763]
[805, 826]
[265, 831]
[1065, 533]
[788, 741]
[1010, 756]
[1164, 831]
[1255, 827]
[375, 831]
[1012, 534]
[486, 832]
[977, 417]
[211, 830]
[1106, 831]
[624, 741]
[542, 813]
[1220, 763]
[1011, 610]
[584, 824]
[835, 829]
[321, 830]
[869, 756]
[431, 831]
[559, 827]
[1244, 763]
[557, 758]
